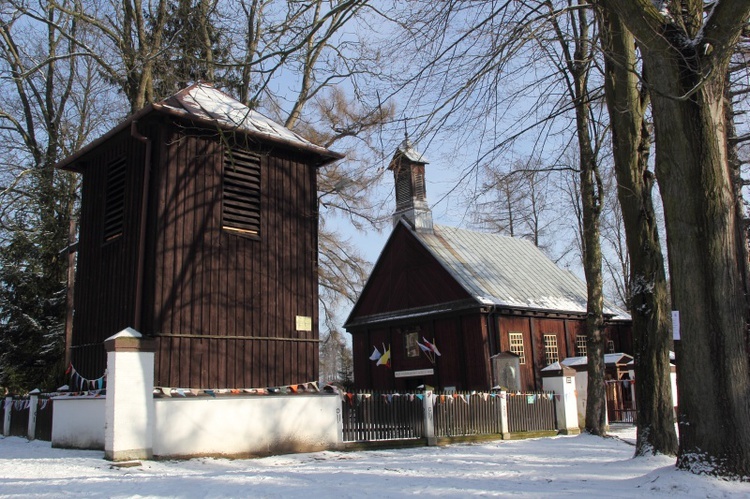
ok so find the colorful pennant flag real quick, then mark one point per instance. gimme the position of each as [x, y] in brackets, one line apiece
[375, 354]
[431, 346]
[385, 359]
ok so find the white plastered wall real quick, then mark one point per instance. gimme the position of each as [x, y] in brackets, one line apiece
[245, 426]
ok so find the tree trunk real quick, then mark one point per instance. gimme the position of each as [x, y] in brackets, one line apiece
[686, 56]
[649, 299]
[596, 410]
[691, 164]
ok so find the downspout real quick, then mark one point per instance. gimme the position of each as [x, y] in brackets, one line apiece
[141, 265]
[493, 344]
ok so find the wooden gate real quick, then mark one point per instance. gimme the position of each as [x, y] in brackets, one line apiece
[382, 416]
[531, 412]
[621, 401]
[463, 414]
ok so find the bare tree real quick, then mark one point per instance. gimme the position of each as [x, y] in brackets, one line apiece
[577, 48]
[48, 97]
[517, 202]
[483, 76]
[336, 365]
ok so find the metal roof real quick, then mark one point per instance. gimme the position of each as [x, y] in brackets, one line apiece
[507, 271]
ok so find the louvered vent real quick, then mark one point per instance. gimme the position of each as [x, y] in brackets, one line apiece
[114, 204]
[419, 190]
[241, 202]
[403, 188]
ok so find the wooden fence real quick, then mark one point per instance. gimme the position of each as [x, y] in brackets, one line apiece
[531, 412]
[382, 416]
[19, 417]
[464, 414]
[375, 416]
[20, 409]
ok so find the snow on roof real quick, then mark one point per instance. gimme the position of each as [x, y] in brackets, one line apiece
[609, 358]
[203, 101]
[506, 271]
[407, 149]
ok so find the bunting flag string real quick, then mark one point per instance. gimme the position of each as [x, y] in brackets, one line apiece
[168, 391]
[82, 384]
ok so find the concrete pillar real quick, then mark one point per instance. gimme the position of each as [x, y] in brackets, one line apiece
[562, 381]
[33, 407]
[504, 427]
[429, 417]
[6, 419]
[129, 411]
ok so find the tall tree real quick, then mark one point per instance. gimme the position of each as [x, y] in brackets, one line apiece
[195, 47]
[686, 53]
[649, 300]
[246, 47]
[577, 49]
[483, 62]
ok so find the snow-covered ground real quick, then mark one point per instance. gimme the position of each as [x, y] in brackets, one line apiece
[582, 466]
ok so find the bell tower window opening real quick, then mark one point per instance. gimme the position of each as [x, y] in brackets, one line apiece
[241, 193]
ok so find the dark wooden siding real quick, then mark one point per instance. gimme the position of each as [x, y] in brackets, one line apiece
[461, 339]
[466, 346]
[452, 362]
[406, 276]
[222, 306]
[621, 335]
[106, 271]
[544, 327]
[225, 305]
[476, 346]
[574, 328]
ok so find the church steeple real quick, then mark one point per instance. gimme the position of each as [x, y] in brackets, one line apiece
[411, 194]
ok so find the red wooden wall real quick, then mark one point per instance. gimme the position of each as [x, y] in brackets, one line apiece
[408, 277]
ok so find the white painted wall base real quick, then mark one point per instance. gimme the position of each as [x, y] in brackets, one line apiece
[238, 426]
[245, 426]
[130, 401]
[78, 423]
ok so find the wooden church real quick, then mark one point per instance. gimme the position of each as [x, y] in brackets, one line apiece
[198, 229]
[459, 309]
